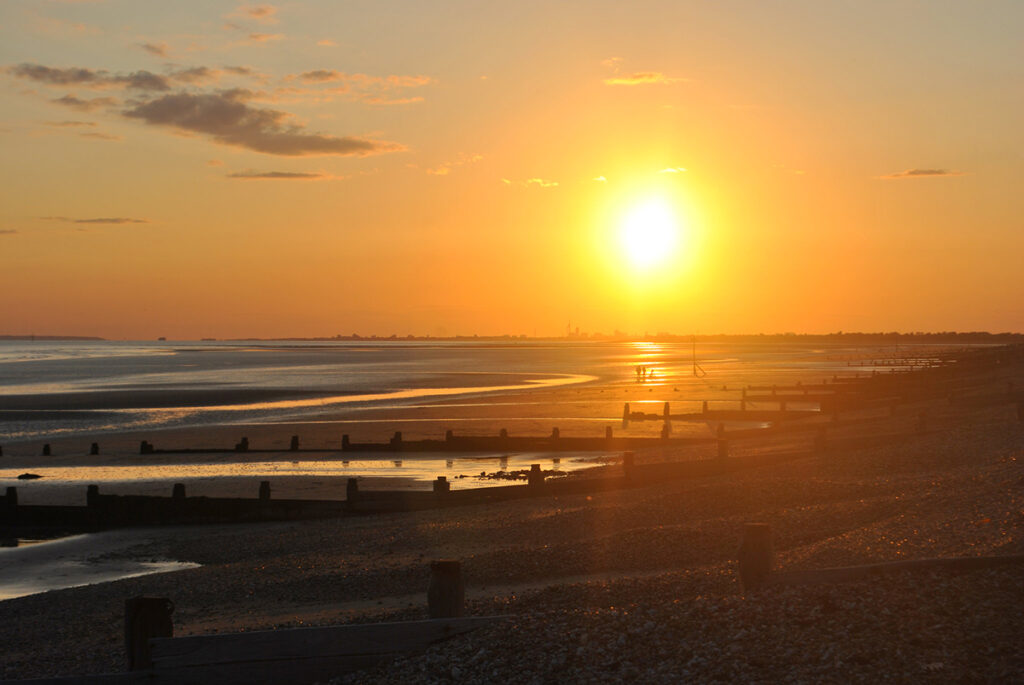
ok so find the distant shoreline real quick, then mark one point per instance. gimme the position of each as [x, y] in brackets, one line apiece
[946, 337]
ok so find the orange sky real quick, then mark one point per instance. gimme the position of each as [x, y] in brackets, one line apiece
[221, 170]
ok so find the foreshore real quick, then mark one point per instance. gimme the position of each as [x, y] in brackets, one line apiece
[639, 584]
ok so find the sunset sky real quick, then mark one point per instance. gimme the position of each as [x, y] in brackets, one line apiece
[190, 169]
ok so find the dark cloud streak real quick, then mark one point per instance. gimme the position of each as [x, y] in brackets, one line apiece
[229, 121]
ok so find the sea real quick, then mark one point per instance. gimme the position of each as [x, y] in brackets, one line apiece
[60, 389]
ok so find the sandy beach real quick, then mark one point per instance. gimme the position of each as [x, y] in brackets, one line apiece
[637, 585]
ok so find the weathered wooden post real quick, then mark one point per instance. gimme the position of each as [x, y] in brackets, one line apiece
[625, 415]
[11, 498]
[178, 492]
[145, 618]
[396, 440]
[345, 443]
[554, 433]
[264, 491]
[665, 412]
[294, 446]
[666, 430]
[448, 435]
[46, 450]
[442, 486]
[145, 447]
[243, 445]
[92, 496]
[446, 594]
[756, 556]
[627, 464]
[352, 490]
[535, 478]
[704, 407]
[94, 449]
[608, 433]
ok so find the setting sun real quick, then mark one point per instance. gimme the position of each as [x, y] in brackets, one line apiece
[649, 234]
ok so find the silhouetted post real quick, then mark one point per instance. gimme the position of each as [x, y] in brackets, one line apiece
[503, 434]
[92, 496]
[94, 449]
[294, 446]
[46, 450]
[1, 451]
[11, 499]
[704, 407]
[264, 490]
[352, 490]
[442, 486]
[178, 491]
[345, 443]
[554, 433]
[446, 594]
[396, 439]
[625, 415]
[448, 435]
[535, 478]
[243, 445]
[145, 618]
[666, 430]
[145, 447]
[665, 412]
[608, 433]
[627, 464]
[723, 448]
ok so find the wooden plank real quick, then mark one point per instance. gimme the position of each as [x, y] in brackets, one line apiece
[309, 644]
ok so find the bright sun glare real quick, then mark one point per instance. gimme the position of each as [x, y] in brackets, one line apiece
[649, 234]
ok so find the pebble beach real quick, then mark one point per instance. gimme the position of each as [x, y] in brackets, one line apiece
[633, 585]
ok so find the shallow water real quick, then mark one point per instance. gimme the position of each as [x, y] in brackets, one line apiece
[63, 389]
[75, 561]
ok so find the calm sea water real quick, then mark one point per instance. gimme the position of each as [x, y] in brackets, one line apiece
[86, 388]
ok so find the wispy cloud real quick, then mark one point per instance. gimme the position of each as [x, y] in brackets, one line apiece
[156, 49]
[110, 220]
[99, 135]
[89, 78]
[373, 90]
[75, 102]
[279, 175]
[225, 117]
[70, 124]
[923, 173]
[643, 78]
[264, 37]
[264, 13]
[673, 170]
[195, 75]
[535, 182]
[445, 168]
